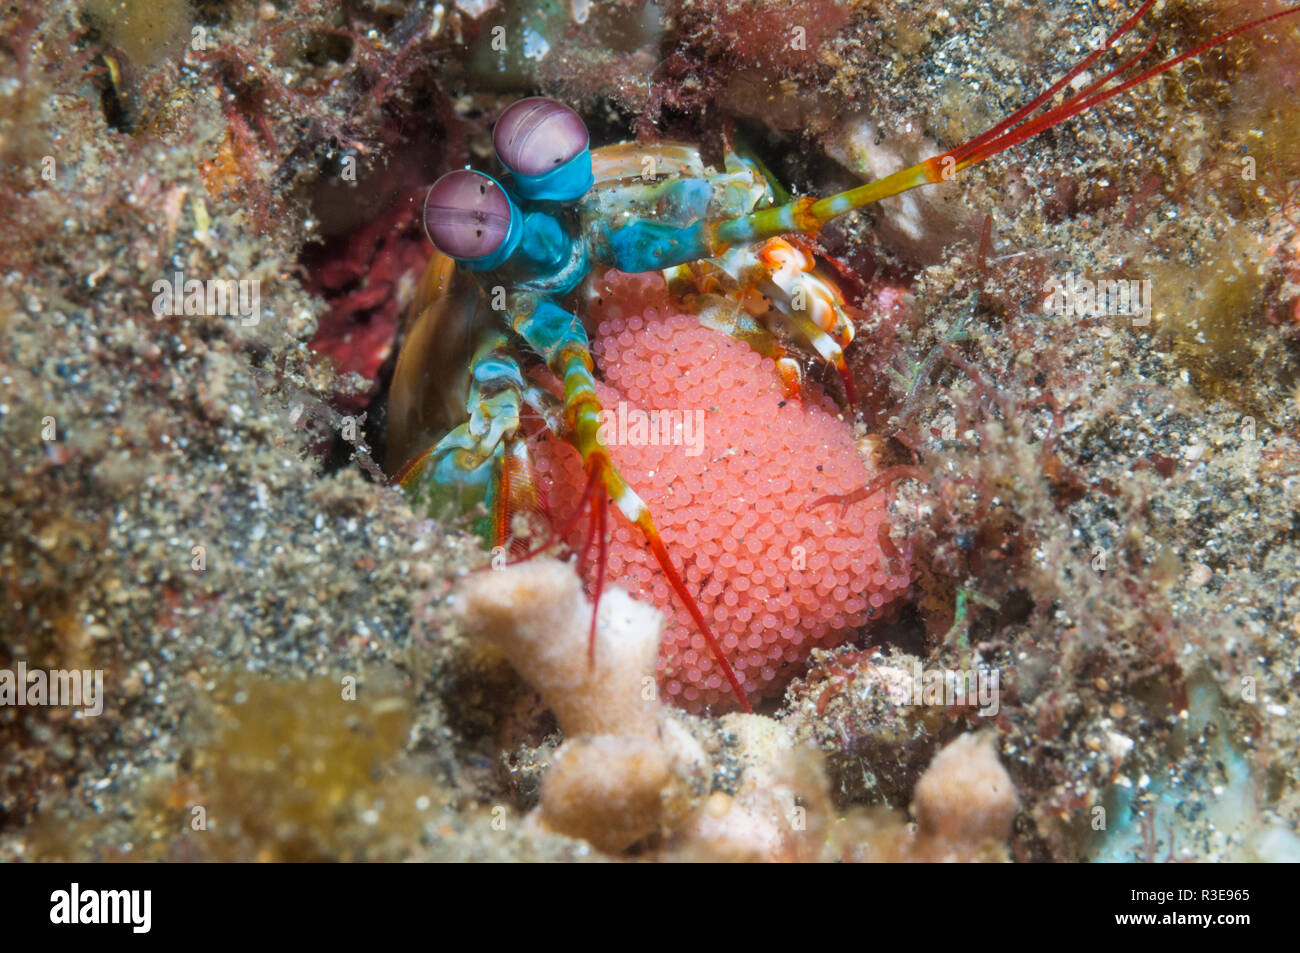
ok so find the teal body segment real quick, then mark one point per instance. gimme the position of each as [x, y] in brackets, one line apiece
[644, 245]
[565, 183]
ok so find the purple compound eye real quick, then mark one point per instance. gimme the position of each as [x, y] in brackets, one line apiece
[467, 215]
[536, 135]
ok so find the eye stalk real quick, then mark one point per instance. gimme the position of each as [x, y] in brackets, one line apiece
[469, 217]
[544, 144]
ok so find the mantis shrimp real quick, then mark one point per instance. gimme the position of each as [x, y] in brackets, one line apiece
[461, 389]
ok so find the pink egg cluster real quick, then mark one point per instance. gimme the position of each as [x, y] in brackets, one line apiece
[728, 480]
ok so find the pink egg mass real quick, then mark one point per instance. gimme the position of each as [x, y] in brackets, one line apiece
[700, 426]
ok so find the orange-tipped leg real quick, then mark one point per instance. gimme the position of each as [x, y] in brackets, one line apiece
[598, 532]
[675, 580]
[604, 483]
[850, 393]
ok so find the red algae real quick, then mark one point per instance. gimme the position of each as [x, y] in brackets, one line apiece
[728, 471]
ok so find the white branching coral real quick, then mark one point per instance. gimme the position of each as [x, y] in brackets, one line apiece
[632, 772]
[624, 772]
[536, 613]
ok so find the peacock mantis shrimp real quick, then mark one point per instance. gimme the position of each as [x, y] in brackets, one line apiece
[501, 293]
